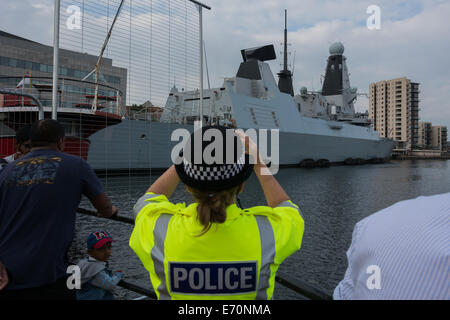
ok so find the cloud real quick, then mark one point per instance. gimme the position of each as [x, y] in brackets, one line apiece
[29, 19]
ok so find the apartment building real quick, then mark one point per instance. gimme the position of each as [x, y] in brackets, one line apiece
[439, 137]
[394, 110]
[425, 135]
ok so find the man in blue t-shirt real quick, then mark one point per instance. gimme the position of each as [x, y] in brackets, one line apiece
[39, 196]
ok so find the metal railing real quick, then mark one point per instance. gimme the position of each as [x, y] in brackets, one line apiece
[301, 287]
[32, 97]
[72, 93]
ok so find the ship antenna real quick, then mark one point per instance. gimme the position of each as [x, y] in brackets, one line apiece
[207, 76]
[285, 41]
[293, 65]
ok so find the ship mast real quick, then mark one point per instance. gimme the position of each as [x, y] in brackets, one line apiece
[285, 42]
[285, 75]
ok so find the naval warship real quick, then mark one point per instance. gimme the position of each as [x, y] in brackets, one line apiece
[313, 126]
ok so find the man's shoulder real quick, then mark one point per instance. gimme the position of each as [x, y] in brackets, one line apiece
[63, 162]
[410, 210]
[67, 159]
[418, 205]
[70, 157]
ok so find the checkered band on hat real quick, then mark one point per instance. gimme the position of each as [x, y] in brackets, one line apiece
[214, 173]
[214, 176]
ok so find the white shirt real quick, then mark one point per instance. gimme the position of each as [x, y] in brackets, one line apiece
[401, 252]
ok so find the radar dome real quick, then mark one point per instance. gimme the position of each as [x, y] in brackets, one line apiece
[337, 48]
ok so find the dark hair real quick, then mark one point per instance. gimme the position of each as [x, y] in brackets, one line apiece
[23, 134]
[46, 132]
[212, 205]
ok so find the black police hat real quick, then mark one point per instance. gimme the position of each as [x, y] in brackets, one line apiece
[216, 175]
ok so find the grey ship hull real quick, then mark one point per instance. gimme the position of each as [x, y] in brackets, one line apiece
[135, 144]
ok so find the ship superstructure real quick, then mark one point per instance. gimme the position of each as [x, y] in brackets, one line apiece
[308, 124]
[336, 99]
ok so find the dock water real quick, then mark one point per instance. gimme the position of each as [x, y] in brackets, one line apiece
[332, 200]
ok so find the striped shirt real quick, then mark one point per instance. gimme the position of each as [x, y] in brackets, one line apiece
[401, 252]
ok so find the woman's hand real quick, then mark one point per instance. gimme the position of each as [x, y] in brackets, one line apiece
[251, 148]
[273, 192]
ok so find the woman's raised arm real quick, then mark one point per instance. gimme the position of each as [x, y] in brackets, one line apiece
[273, 191]
[166, 183]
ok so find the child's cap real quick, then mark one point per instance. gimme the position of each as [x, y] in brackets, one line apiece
[98, 239]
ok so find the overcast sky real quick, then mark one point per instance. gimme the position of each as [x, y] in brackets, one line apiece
[414, 40]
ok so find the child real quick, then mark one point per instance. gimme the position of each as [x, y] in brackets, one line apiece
[97, 281]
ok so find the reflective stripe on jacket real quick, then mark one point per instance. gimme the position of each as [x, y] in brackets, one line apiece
[236, 259]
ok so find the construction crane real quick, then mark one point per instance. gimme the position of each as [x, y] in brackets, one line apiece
[99, 61]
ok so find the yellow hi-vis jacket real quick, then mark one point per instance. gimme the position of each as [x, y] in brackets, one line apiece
[236, 259]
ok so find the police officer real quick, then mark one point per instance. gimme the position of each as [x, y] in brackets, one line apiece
[212, 249]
